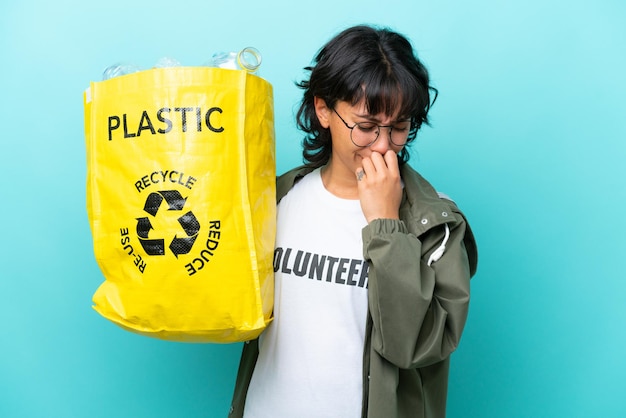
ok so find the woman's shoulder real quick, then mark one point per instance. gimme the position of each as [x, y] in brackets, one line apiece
[426, 208]
[285, 181]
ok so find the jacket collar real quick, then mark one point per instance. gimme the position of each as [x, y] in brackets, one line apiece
[422, 204]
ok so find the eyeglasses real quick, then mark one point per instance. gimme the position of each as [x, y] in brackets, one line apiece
[366, 133]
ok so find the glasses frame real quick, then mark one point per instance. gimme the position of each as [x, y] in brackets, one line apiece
[377, 132]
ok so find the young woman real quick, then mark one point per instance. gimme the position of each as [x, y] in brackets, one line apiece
[372, 265]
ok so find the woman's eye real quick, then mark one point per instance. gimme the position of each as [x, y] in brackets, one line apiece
[367, 127]
[401, 128]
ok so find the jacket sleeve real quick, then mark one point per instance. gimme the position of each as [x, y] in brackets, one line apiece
[418, 311]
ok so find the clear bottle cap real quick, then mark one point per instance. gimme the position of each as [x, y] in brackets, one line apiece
[249, 59]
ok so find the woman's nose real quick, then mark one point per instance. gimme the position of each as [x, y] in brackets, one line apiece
[383, 142]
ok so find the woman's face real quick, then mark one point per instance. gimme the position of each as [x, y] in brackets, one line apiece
[345, 153]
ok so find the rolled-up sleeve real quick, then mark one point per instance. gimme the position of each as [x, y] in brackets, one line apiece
[418, 311]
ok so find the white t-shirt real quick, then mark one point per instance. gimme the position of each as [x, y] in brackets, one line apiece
[311, 356]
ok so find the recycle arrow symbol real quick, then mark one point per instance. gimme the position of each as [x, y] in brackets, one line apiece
[191, 226]
[173, 198]
[150, 246]
[188, 222]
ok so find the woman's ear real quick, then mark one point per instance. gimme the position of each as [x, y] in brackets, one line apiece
[322, 111]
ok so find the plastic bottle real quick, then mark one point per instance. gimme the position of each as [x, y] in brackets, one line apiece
[119, 69]
[248, 59]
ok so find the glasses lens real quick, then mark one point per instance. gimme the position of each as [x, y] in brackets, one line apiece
[400, 133]
[364, 134]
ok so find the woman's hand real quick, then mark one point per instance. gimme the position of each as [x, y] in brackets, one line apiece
[379, 186]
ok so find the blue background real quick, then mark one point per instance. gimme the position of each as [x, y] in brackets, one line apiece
[528, 137]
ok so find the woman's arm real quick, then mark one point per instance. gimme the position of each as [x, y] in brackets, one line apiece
[418, 310]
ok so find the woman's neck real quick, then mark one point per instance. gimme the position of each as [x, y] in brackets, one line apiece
[340, 182]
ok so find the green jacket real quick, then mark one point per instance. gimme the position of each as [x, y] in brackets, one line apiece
[416, 311]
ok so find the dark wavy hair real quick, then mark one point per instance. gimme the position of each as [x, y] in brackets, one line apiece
[364, 62]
